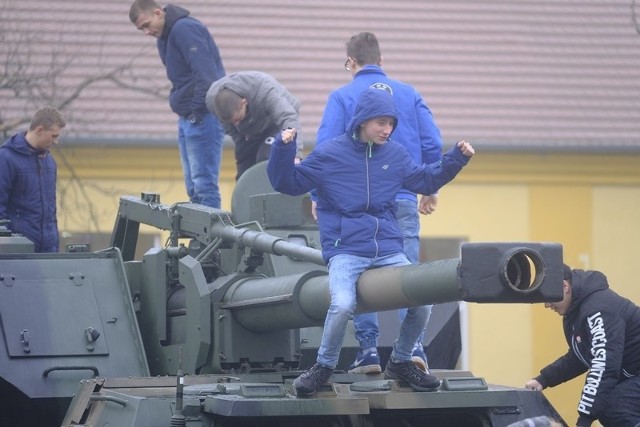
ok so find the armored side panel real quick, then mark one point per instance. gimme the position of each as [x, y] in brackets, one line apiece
[65, 317]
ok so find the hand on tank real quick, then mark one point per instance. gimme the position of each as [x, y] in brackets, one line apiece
[287, 135]
[466, 148]
[533, 385]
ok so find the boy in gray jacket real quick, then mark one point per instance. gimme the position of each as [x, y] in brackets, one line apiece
[253, 107]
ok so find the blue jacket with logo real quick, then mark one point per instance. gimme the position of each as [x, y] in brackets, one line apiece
[192, 60]
[416, 130]
[357, 182]
[28, 192]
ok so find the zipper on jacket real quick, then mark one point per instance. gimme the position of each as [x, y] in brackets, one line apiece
[366, 161]
[375, 238]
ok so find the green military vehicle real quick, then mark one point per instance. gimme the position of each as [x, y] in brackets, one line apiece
[209, 330]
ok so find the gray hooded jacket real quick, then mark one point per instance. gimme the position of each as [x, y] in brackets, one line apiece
[270, 106]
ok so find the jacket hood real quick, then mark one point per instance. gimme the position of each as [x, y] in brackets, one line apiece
[585, 283]
[18, 143]
[240, 83]
[371, 104]
[172, 14]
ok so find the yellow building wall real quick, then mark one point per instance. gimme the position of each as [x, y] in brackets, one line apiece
[588, 203]
[92, 179]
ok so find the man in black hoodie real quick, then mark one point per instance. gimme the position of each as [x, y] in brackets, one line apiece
[602, 329]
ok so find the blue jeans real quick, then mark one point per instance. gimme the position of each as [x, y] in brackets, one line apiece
[366, 324]
[200, 146]
[344, 271]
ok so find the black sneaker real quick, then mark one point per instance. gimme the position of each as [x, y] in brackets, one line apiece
[310, 381]
[409, 372]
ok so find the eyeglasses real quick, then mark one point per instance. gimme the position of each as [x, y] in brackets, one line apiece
[346, 65]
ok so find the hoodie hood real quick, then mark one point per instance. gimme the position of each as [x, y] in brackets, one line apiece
[19, 144]
[371, 104]
[583, 284]
[172, 14]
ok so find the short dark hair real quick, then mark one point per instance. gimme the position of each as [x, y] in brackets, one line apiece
[566, 272]
[140, 6]
[226, 104]
[364, 49]
[47, 117]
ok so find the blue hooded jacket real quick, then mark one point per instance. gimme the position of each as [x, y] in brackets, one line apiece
[192, 60]
[28, 192]
[357, 182]
[416, 129]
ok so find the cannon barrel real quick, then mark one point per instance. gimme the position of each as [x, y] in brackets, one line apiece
[486, 272]
[267, 243]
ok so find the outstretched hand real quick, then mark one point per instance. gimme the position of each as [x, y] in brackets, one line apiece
[466, 148]
[287, 135]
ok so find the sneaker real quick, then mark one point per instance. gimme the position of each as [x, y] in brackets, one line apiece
[420, 359]
[368, 363]
[408, 372]
[310, 381]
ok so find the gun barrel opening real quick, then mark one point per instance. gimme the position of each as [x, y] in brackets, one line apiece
[523, 270]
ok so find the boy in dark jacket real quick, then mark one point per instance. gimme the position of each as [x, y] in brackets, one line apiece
[192, 61]
[357, 177]
[28, 175]
[602, 329]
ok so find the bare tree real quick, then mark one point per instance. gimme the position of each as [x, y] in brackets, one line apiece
[36, 71]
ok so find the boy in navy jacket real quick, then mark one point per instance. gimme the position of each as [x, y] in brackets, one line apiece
[357, 177]
[28, 175]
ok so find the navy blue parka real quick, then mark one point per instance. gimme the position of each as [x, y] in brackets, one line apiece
[28, 192]
[192, 60]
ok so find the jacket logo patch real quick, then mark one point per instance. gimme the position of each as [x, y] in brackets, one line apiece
[382, 86]
[385, 167]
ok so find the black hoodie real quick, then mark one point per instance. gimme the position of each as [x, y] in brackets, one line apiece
[603, 332]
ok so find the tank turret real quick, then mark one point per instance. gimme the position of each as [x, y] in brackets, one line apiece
[266, 299]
